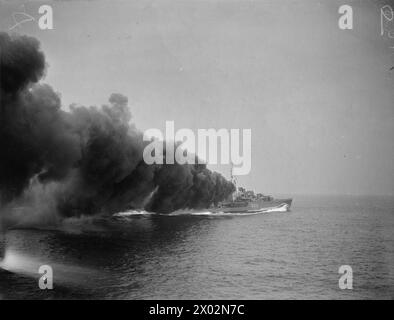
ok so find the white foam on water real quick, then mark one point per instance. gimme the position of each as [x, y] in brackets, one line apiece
[131, 213]
[281, 208]
[221, 213]
[18, 263]
[24, 264]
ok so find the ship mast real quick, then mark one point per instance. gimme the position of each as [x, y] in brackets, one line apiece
[234, 181]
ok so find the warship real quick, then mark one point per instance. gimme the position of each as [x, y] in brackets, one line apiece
[246, 201]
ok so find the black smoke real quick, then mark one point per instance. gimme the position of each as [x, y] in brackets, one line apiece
[92, 154]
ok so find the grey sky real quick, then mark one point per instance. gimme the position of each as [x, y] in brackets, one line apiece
[319, 100]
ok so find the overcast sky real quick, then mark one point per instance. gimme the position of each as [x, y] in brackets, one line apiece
[319, 100]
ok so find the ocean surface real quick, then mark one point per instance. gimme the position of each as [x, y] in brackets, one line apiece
[276, 255]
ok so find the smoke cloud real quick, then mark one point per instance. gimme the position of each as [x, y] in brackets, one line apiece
[87, 160]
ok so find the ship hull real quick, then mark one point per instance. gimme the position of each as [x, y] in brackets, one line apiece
[280, 205]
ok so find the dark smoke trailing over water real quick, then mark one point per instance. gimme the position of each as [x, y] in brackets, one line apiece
[85, 161]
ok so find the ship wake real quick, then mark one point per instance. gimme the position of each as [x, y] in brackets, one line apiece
[214, 213]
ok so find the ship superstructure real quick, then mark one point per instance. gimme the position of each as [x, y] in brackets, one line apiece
[247, 201]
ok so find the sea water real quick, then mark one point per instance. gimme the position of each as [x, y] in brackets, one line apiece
[275, 255]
